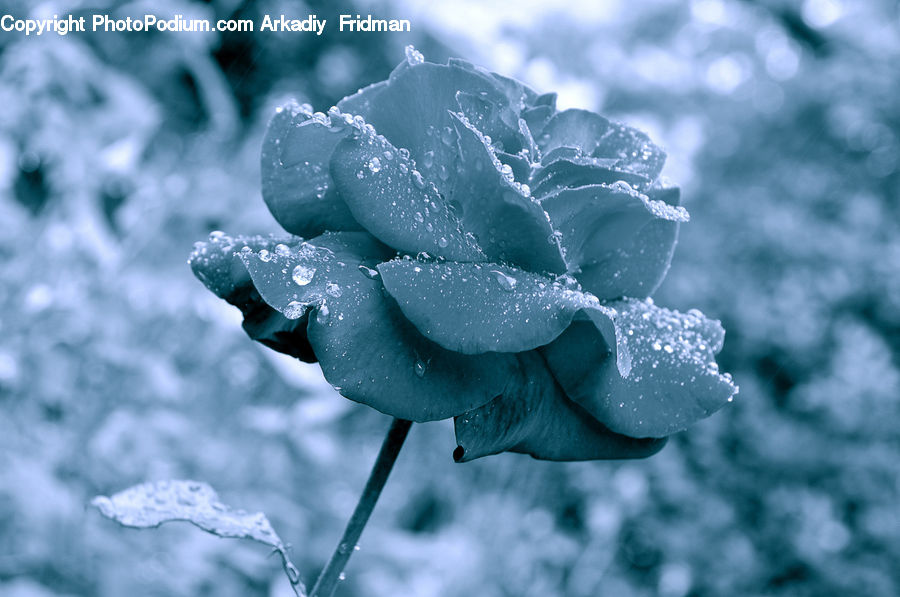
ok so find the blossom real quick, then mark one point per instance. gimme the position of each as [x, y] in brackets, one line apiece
[460, 248]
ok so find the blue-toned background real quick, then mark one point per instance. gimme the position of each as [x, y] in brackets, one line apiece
[117, 151]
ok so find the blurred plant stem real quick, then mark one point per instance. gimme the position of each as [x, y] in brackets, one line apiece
[390, 449]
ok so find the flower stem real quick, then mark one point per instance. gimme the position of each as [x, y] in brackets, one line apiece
[328, 579]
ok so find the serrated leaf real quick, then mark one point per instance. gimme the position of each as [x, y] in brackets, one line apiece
[637, 267]
[534, 417]
[296, 183]
[151, 504]
[390, 198]
[478, 308]
[597, 220]
[366, 348]
[673, 380]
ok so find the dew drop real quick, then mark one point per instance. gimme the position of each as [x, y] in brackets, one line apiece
[282, 250]
[265, 256]
[419, 217]
[428, 159]
[420, 367]
[216, 235]
[375, 165]
[413, 56]
[303, 274]
[294, 310]
[322, 314]
[332, 289]
[443, 242]
[656, 346]
[506, 282]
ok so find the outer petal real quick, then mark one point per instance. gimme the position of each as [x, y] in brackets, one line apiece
[534, 417]
[365, 346]
[477, 308]
[296, 183]
[673, 380]
[637, 267]
[391, 199]
[216, 264]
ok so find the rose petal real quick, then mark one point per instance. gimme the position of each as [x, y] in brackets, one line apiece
[637, 267]
[596, 220]
[392, 200]
[366, 348]
[478, 308]
[508, 224]
[598, 137]
[296, 183]
[673, 380]
[534, 417]
[412, 110]
[217, 265]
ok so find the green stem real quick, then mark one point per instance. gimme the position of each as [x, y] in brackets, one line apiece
[328, 579]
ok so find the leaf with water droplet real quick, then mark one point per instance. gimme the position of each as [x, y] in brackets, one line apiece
[478, 308]
[670, 384]
[296, 183]
[391, 204]
[637, 267]
[151, 504]
[533, 416]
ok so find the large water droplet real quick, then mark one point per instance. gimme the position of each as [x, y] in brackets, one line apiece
[506, 282]
[303, 274]
[294, 310]
[332, 289]
[323, 314]
[282, 250]
[375, 165]
[265, 256]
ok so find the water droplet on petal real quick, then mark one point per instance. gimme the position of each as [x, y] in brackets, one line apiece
[420, 367]
[375, 165]
[332, 289]
[506, 282]
[265, 256]
[413, 56]
[303, 274]
[294, 310]
[282, 250]
[322, 314]
[443, 242]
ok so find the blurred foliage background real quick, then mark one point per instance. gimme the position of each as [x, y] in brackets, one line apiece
[117, 151]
